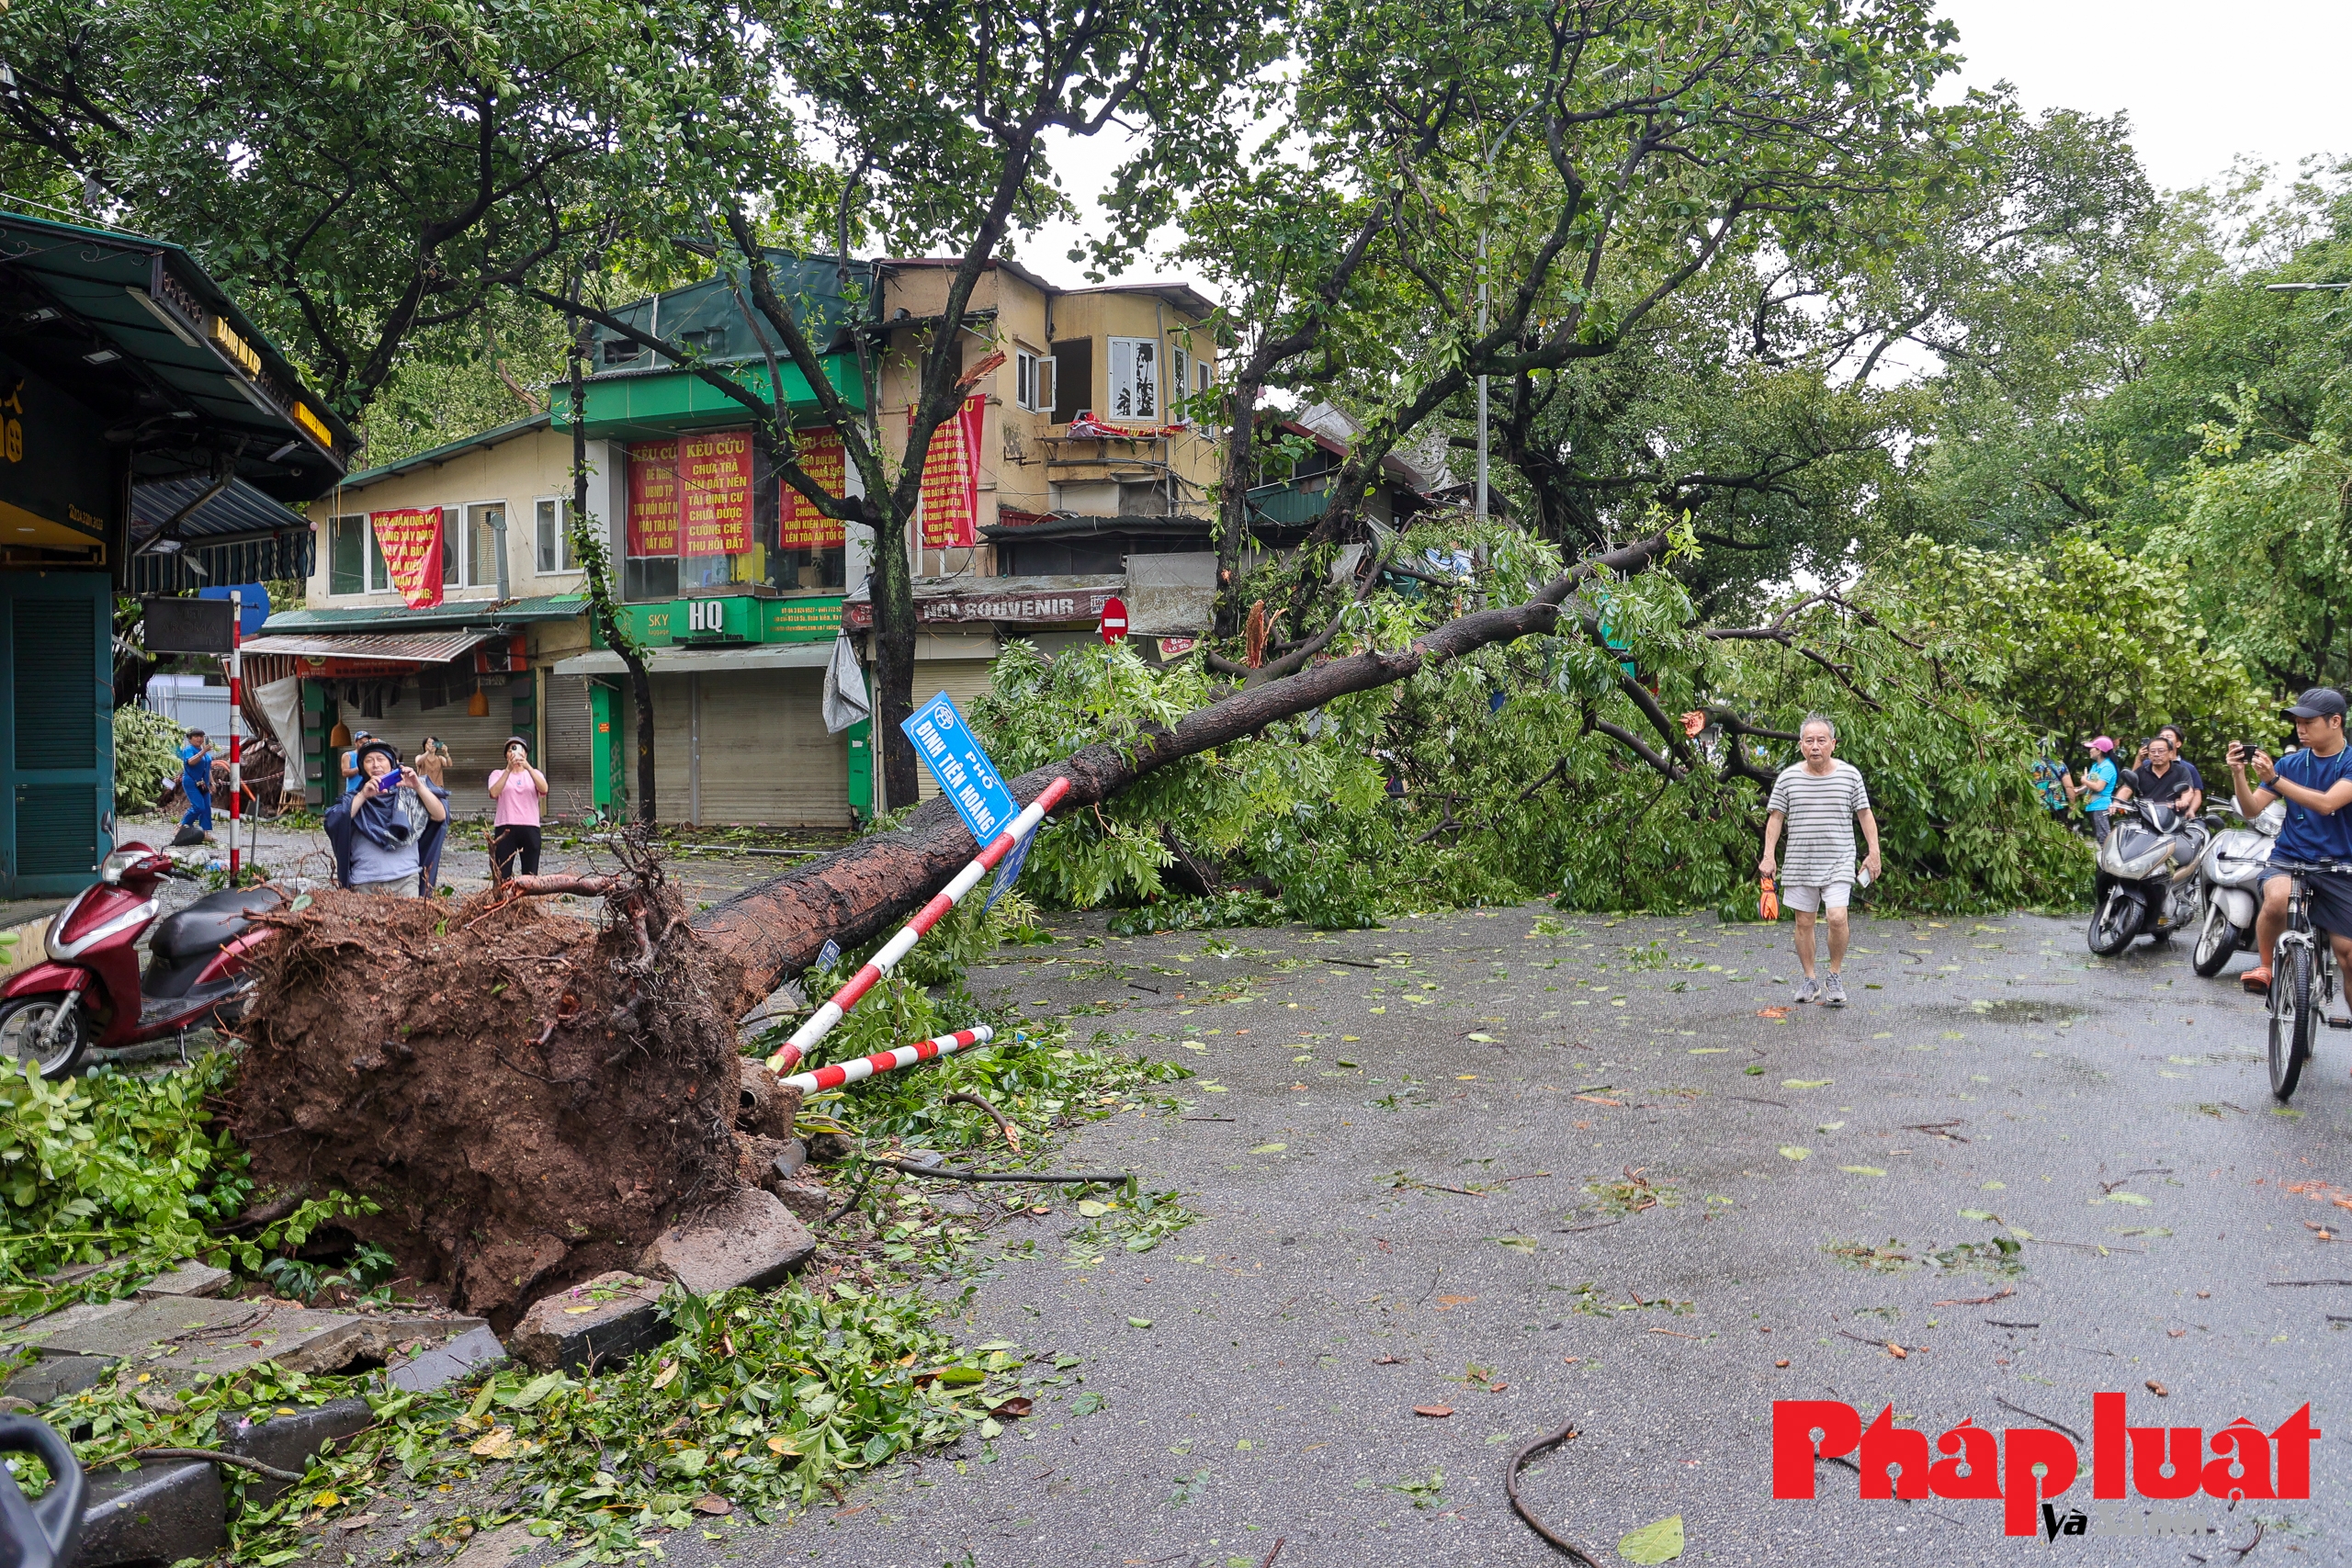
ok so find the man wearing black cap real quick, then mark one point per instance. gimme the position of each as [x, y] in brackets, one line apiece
[2316, 783]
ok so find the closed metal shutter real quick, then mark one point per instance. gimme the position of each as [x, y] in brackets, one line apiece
[966, 680]
[765, 755]
[57, 833]
[762, 755]
[567, 762]
[477, 746]
[57, 671]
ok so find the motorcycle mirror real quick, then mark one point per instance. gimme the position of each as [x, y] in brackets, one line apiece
[46, 1534]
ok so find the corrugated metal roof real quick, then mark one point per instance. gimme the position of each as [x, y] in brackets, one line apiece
[239, 509]
[435, 456]
[451, 613]
[422, 648]
[201, 379]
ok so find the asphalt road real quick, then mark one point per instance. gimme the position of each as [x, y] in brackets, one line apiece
[2116, 1113]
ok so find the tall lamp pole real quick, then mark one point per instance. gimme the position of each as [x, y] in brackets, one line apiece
[2306, 287]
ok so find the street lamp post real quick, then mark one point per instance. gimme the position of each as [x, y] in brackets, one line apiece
[2306, 287]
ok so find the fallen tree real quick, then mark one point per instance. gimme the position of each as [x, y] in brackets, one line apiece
[529, 1101]
[852, 896]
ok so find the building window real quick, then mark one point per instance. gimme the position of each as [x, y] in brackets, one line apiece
[350, 543]
[1033, 381]
[1178, 374]
[1135, 379]
[469, 548]
[556, 552]
[1073, 379]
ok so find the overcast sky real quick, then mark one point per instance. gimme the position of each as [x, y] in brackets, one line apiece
[2201, 83]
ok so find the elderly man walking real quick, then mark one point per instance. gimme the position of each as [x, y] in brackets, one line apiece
[1817, 802]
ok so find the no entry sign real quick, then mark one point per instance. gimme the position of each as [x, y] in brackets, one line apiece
[1114, 619]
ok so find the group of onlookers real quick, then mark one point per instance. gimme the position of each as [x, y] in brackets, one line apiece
[388, 827]
[2159, 774]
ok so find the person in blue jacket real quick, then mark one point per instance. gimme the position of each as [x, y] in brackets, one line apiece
[388, 835]
[2097, 792]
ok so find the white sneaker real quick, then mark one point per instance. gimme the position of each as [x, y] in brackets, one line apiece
[1833, 995]
[1808, 988]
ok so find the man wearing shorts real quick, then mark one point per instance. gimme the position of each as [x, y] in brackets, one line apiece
[1817, 801]
[2316, 783]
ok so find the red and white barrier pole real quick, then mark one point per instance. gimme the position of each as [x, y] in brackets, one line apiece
[236, 726]
[841, 1073]
[820, 1023]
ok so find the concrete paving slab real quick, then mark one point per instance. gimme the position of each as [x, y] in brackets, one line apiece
[182, 1338]
[168, 1511]
[191, 1279]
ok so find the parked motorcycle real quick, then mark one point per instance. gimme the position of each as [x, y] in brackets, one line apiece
[2147, 876]
[2229, 873]
[90, 994]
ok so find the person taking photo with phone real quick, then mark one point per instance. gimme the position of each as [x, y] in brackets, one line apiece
[519, 789]
[387, 836]
[2315, 781]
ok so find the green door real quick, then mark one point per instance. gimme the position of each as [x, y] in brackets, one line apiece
[56, 730]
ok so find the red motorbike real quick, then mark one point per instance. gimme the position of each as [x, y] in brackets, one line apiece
[90, 994]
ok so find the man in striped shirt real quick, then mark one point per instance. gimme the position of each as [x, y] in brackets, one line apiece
[1817, 802]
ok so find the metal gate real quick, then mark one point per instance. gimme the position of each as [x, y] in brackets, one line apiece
[567, 761]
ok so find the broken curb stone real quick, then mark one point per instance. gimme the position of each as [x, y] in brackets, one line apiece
[166, 1511]
[52, 1377]
[289, 1442]
[810, 1201]
[748, 1237]
[598, 1321]
[191, 1279]
[477, 1349]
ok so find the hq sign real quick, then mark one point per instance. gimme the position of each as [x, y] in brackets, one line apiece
[2161, 1464]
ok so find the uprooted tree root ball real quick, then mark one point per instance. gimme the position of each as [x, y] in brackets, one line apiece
[529, 1097]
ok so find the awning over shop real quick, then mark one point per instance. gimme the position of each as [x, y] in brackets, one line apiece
[689, 660]
[421, 647]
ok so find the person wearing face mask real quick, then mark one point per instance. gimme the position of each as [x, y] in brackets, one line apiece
[519, 789]
[387, 836]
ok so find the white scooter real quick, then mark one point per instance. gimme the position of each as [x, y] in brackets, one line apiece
[2227, 873]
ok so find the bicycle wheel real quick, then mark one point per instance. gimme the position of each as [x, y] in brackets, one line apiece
[2293, 1011]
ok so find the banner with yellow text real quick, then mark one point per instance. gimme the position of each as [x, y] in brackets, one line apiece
[951, 478]
[714, 491]
[822, 459]
[410, 541]
[652, 498]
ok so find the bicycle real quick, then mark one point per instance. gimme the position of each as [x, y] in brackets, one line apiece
[2299, 966]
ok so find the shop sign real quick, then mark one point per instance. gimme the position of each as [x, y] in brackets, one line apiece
[1032, 609]
[54, 466]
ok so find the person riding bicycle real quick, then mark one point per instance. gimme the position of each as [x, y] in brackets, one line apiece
[2316, 783]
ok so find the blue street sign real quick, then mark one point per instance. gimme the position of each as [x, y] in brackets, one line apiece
[1007, 870]
[829, 955]
[966, 776]
[255, 604]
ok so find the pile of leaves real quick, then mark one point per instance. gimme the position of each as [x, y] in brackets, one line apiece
[146, 757]
[762, 1403]
[129, 1173]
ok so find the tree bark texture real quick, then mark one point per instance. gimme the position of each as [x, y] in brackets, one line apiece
[859, 891]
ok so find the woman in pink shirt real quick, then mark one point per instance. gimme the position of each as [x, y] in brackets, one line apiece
[519, 789]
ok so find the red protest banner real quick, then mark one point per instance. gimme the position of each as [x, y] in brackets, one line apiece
[951, 478]
[410, 541]
[822, 459]
[714, 491]
[652, 498]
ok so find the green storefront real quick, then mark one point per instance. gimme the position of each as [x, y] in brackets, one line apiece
[739, 733]
[730, 583]
[121, 363]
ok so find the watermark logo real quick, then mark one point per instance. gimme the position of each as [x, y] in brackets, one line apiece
[2023, 1467]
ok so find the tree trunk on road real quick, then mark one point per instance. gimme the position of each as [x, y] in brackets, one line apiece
[859, 891]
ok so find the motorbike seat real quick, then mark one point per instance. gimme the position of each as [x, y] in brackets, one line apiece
[211, 922]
